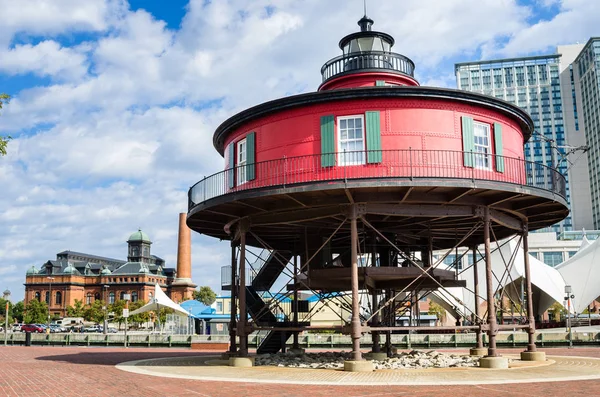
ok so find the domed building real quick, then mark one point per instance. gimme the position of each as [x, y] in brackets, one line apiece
[80, 276]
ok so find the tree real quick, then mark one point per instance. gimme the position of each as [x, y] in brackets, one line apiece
[94, 312]
[17, 311]
[137, 319]
[437, 310]
[558, 311]
[4, 140]
[36, 312]
[76, 310]
[205, 295]
[3, 313]
[117, 309]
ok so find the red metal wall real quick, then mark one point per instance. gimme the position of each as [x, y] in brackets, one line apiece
[368, 79]
[418, 124]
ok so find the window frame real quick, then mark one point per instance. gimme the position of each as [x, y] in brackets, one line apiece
[478, 156]
[241, 172]
[340, 156]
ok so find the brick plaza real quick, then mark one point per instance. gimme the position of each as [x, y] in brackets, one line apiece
[78, 371]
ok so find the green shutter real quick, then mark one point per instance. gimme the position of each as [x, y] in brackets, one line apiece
[498, 150]
[379, 83]
[327, 141]
[468, 136]
[373, 126]
[231, 166]
[250, 156]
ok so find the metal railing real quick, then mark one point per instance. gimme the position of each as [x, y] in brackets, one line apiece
[367, 60]
[393, 164]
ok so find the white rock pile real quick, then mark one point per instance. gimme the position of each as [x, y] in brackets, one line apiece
[415, 359]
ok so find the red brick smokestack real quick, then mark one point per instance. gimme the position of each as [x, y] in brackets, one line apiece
[184, 250]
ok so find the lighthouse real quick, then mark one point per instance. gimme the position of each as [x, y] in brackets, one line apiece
[349, 190]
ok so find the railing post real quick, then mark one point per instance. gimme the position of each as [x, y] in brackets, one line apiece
[410, 162]
[204, 187]
[284, 170]
[345, 165]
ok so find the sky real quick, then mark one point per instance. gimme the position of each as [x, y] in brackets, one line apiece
[114, 103]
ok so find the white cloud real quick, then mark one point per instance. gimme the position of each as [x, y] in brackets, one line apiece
[47, 58]
[53, 17]
[125, 127]
[576, 22]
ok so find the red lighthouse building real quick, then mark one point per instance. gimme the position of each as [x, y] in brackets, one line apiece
[352, 188]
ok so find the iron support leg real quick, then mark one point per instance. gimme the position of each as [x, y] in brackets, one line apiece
[232, 320]
[375, 335]
[355, 322]
[477, 298]
[530, 318]
[493, 326]
[296, 344]
[241, 329]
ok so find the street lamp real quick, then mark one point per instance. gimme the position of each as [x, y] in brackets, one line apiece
[49, 300]
[105, 307]
[568, 297]
[127, 297]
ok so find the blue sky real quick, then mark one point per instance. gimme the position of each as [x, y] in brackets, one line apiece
[115, 102]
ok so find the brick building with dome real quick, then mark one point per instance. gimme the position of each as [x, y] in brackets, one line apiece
[80, 276]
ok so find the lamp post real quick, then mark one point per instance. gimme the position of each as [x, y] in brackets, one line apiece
[127, 297]
[568, 297]
[105, 308]
[6, 324]
[49, 300]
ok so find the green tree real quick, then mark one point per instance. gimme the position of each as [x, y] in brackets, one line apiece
[138, 319]
[437, 310]
[76, 310]
[4, 140]
[205, 295]
[94, 312]
[117, 309]
[558, 311]
[17, 311]
[35, 312]
[4, 313]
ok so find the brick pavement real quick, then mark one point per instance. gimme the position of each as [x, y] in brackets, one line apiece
[90, 372]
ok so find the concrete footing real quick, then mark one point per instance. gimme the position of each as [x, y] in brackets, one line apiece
[379, 356]
[493, 362]
[296, 351]
[358, 366]
[533, 356]
[241, 361]
[478, 351]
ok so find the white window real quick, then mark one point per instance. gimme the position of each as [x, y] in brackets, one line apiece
[219, 307]
[351, 140]
[241, 162]
[483, 149]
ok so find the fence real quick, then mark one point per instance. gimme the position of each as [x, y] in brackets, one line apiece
[319, 341]
[405, 164]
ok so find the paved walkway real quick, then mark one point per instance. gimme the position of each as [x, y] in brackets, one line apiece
[77, 371]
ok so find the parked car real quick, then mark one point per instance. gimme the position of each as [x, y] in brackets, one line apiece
[111, 330]
[94, 328]
[32, 328]
[16, 327]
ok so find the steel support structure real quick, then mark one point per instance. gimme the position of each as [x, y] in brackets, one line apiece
[296, 344]
[492, 325]
[242, 324]
[233, 320]
[355, 322]
[530, 317]
[479, 334]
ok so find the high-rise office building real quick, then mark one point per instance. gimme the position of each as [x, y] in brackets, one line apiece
[533, 83]
[586, 70]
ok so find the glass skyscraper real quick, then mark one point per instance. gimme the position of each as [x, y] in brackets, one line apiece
[532, 83]
[586, 70]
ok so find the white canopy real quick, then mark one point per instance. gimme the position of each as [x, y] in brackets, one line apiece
[547, 279]
[581, 272]
[160, 300]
